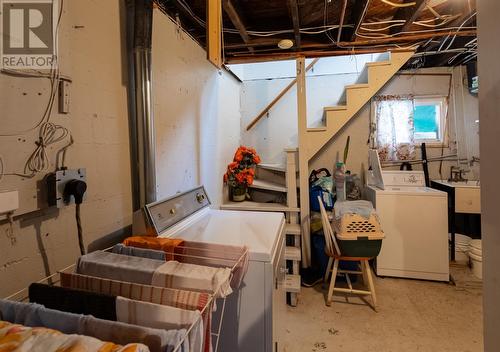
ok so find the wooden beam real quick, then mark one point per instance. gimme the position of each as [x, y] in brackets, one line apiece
[409, 14]
[294, 12]
[237, 21]
[214, 32]
[358, 13]
[303, 162]
[278, 97]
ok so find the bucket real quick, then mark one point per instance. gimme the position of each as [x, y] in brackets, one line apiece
[477, 265]
[462, 248]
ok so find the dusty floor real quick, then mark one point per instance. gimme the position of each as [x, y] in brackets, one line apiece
[412, 316]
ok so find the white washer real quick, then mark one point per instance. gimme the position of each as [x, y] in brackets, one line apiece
[253, 318]
[415, 221]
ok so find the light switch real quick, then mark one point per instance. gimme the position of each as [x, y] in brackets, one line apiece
[9, 201]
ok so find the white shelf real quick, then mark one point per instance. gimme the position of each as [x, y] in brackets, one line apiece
[267, 185]
[255, 206]
[292, 253]
[292, 283]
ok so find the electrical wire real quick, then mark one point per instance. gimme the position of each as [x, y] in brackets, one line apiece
[49, 133]
[1, 168]
[79, 229]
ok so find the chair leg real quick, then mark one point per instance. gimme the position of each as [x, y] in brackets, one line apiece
[332, 282]
[370, 283]
[328, 269]
[365, 278]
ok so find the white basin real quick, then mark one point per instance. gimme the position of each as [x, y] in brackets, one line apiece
[459, 184]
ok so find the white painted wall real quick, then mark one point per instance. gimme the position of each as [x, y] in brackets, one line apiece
[92, 54]
[196, 109]
[489, 98]
[197, 122]
[324, 88]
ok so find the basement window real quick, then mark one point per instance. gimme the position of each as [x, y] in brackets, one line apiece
[429, 116]
[404, 122]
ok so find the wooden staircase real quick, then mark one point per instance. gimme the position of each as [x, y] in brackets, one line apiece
[376, 75]
[282, 181]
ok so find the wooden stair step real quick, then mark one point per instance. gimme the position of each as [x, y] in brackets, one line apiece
[378, 63]
[316, 129]
[268, 185]
[357, 86]
[272, 167]
[293, 253]
[292, 229]
[292, 283]
[248, 205]
[335, 108]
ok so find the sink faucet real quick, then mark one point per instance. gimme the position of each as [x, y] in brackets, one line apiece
[456, 174]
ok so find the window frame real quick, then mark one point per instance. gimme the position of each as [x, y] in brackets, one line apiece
[430, 143]
[442, 139]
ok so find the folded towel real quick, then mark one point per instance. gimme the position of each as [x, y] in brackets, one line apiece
[118, 267]
[162, 317]
[186, 276]
[138, 252]
[99, 305]
[166, 245]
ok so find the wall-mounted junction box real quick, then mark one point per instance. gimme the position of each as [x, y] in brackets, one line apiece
[56, 182]
[64, 89]
[9, 201]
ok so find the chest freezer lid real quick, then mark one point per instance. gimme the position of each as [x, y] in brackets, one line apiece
[259, 231]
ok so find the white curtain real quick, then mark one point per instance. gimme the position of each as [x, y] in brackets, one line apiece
[394, 128]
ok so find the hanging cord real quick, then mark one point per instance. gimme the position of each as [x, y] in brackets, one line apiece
[80, 230]
[10, 230]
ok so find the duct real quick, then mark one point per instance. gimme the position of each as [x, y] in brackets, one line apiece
[142, 133]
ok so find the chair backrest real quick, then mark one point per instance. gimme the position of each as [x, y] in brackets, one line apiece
[330, 241]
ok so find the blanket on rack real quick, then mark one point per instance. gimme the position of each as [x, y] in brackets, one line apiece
[172, 274]
[200, 278]
[15, 337]
[139, 252]
[160, 295]
[162, 317]
[36, 315]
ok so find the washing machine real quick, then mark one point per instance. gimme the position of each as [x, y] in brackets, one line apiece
[415, 221]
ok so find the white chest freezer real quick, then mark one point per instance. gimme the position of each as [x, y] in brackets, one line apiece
[253, 318]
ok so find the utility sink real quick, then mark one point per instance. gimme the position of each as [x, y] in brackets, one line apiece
[466, 184]
[467, 195]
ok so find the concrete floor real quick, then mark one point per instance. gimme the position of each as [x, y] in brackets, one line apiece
[412, 316]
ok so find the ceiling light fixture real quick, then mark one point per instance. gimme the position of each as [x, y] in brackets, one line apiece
[285, 44]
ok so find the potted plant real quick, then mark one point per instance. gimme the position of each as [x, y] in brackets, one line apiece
[241, 172]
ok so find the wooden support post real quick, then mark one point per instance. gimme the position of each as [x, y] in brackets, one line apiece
[303, 162]
[214, 32]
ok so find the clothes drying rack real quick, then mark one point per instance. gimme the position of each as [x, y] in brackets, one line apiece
[209, 260]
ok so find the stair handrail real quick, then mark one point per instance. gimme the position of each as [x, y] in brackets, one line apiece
[278, 97]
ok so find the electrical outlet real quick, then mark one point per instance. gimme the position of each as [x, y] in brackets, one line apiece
[9, 201]
[64, 88]
[56, 182]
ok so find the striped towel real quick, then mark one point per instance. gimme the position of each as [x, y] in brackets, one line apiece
[189, 300]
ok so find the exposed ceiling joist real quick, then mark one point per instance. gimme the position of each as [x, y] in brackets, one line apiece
[235, 18]
[358, 14]
[294, 12]
[409, 14]
[341, 21]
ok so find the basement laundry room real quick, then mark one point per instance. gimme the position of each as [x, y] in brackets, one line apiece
[241, 175]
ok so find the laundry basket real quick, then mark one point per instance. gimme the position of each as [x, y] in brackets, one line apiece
[358, 236]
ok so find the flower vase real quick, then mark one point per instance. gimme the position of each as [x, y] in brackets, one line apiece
[238, 194]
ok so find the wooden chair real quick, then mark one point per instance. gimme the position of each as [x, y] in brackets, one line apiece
[335, 256]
